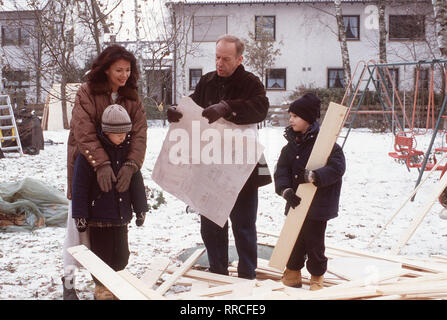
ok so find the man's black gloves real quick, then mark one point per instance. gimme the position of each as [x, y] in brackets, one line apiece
[140, 218]
[173, 114]
[125, 175]
[292, 199]
[216, 111]
[105, 177]
[81, 224]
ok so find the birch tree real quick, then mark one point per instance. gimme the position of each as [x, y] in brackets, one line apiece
[342, 40]
[440, 12]
[382, 31]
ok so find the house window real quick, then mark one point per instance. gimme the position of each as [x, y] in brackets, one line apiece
[275, 79]
[352, 30]
[335, 78]
[209, 29]
[13, 36]
[265, 28]
[406, 27]
[10, 36]
[194, 77]
[15, 79]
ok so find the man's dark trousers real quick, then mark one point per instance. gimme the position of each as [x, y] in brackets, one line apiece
[243, 222]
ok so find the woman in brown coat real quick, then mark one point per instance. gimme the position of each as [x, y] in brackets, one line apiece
[111, 79]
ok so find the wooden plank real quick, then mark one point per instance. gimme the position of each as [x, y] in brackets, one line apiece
[439, 257]
[218, 290]
[351, 268]
[122, 289]
[177, 274]
[156, 269]
[140, 285]
[439, 187]
[345, 294]
[327, 136]
[208, 276]
[431, 267]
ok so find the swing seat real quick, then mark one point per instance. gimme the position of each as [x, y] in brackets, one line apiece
[403, 147]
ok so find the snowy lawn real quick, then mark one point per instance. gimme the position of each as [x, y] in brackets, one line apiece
[374, 187]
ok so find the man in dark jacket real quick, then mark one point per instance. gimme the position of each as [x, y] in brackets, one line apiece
[107, 214]
[238, 96]
[290, 172]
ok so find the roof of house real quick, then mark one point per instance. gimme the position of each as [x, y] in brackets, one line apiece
[22, 5]
[226, 2]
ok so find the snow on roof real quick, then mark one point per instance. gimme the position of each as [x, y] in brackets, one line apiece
[215, 2]
[254, 1]
[22, 5]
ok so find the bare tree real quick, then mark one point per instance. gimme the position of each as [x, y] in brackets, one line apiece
[180, 27]
[261, 51]
[94, 15]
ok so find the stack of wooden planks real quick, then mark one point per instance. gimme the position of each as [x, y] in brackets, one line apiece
[352, 274]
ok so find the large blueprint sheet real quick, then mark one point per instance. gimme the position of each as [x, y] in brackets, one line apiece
[206, 165]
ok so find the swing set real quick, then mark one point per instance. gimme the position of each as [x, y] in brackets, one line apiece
[405, 144]
[382, 77]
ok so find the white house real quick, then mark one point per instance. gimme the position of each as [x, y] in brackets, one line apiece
[19, 49]
[33, 50]
[310, 51]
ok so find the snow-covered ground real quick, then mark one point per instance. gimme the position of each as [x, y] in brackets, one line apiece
[374, 187]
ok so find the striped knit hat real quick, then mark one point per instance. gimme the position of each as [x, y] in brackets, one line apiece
[115, 119]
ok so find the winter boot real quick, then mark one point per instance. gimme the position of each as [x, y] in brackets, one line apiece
[316, 282]
[102, 293]
[69, 292]
[292, 278]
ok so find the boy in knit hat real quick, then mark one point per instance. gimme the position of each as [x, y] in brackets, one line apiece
[290, 172]
[106, 215]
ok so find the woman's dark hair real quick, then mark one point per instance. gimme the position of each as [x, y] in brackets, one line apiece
[109, 56]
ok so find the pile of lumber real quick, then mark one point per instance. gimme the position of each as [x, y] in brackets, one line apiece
[352, 274]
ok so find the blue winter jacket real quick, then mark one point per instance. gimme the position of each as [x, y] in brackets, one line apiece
[294, 156]
[88, 201]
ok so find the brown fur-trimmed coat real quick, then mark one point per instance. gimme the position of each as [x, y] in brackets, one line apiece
[90, 102]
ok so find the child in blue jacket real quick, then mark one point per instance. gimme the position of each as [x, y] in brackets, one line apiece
[290, 172]
[108, 214]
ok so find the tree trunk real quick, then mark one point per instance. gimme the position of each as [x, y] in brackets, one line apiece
[96, 32]
[440, 11]
[382, 32]
[143, 83]
[64, 102]
[342, 39]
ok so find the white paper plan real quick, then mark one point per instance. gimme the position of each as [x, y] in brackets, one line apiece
[206, 165]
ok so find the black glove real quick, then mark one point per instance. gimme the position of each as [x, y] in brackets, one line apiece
[292, 199]
[140, 218]
[105, 177]
[125, 175]
[216, 111]
[304, 176]
[81, 224]
[173, 114]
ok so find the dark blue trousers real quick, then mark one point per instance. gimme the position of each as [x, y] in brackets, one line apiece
[310, 244]
[243, 222]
